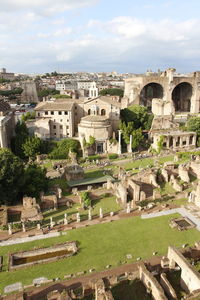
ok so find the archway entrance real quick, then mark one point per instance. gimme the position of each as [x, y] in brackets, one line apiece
[181, 97]
[150, 91]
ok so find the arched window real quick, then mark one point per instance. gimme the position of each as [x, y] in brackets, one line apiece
[89, 111]
[103, 112]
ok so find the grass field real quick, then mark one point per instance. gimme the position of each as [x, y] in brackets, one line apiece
[107, 204]
[100, 245]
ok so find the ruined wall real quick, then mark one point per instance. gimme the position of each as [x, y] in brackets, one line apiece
[151, 283]
[190, 277]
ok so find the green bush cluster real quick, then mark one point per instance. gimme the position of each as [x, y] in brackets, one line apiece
[61, 149]
[93, 157]
[113, 156]
[86, 199]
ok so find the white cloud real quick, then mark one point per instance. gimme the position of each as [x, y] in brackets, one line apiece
[122, 42]
[43, 6]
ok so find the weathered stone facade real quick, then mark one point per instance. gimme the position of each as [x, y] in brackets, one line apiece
[174, 92]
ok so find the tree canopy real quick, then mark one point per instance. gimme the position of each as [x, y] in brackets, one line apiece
[47, 92]
[62, 148]
[32, 147]
[21, 135]
[35, 180]
[11, 177]
[112, 92]
[138, 115]
[129, 129]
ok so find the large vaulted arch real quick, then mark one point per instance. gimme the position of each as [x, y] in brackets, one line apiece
[181, 96]
[150, 91]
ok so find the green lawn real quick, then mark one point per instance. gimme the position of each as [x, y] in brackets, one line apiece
[100, 245]
[107, 204]
[142, 163]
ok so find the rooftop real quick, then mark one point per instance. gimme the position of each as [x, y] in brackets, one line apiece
[56, 105]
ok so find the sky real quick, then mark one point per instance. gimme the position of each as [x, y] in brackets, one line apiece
[39, 36]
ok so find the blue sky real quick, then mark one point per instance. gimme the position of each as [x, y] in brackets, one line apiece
[39, 36]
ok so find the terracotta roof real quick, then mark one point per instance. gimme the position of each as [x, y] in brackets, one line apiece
[50, 105]
[4, 106]
[95, 118]
[108, 99]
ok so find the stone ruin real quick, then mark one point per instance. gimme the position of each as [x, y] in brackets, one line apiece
[194, 196]
[73, 172]
[49, 201]
[165, 127]
[31, 210]
[3, 216]
[153, 276]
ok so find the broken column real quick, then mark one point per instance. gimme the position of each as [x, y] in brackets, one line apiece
[100, 213]
[89, 215]
[78, 218]
[65, 219]
[9, 229]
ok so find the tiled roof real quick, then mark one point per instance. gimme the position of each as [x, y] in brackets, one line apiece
[50, 105]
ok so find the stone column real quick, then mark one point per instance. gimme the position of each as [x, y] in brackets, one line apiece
[174, 142]
[194, 140]
[38, 226]
[51, 222]
[9, 229]
[65, 220]
[128, 208]
[167, 142]
[119, 142]
[100, 213]
[89, 215]
[187, 141]
[23, 227]
[130, 144]
[78, 218]
[181, 142]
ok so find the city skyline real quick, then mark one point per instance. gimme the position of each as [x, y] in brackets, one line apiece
[94, 35]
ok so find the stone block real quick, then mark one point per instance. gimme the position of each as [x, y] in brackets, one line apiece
[16, 287]
[39, 280]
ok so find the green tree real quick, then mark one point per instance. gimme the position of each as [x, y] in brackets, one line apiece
[35, 181]
[32, 147]
[127, 130]
[47, 92]
[112, 92]
[138, 115]
[63, 147]
[21, 135]
[193, 124]
[11, 177]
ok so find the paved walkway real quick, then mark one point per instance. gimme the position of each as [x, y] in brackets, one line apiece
[29, 239]
[182, 211]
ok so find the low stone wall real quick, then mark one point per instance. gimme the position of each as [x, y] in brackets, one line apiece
[151, 283]
[167, 286]
[70, 247]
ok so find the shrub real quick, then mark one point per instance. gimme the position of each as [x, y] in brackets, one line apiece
[86, 199]
[113, 156]
[93, 157]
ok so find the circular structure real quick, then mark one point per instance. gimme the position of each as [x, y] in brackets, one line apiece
[98, 127]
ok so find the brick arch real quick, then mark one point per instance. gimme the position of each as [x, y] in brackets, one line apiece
[182, 96]
[149, 91]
